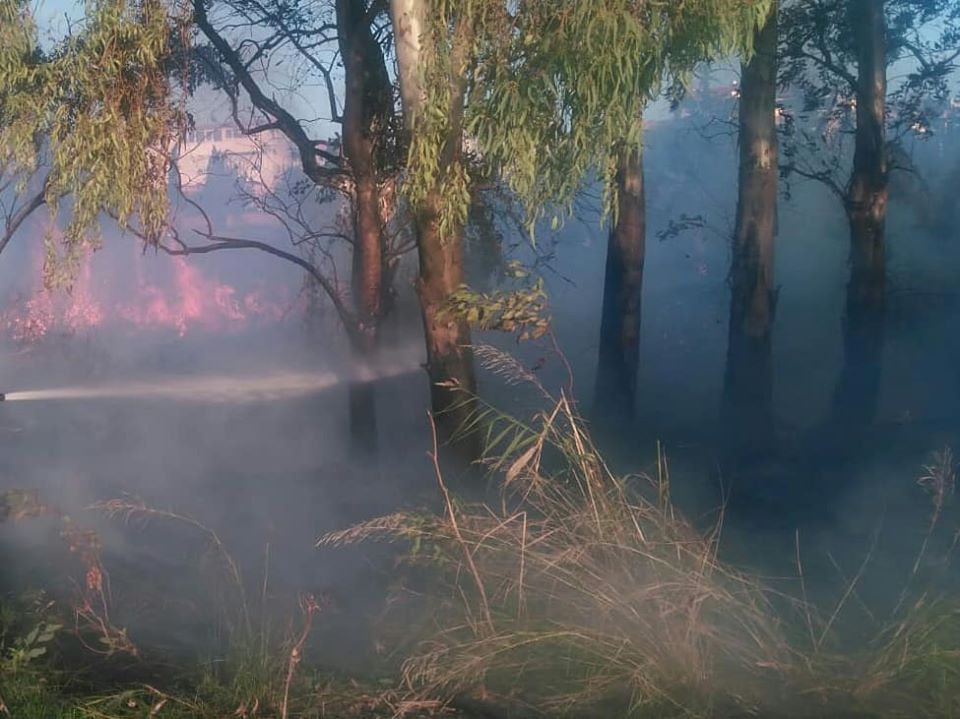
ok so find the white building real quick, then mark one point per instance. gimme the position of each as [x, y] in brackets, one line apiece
[261, 159]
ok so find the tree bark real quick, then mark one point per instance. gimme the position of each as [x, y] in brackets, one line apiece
[366, 109]
[747, 403]
[867, 196]
[619, 352]
[409, 20]
[855, 398]
[449, 356]
[453, 384]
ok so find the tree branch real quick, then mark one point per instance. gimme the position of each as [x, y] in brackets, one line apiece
[20, 216]
[310, 154]
[310, 57]
[822, 177]
[220, 242]
[827, 63]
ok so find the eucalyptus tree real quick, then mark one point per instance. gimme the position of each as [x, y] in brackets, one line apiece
[91, 118]
[618, 355]
[254, 51]
[839, 54]
[246, 50]
[747, 404]
[549, 91]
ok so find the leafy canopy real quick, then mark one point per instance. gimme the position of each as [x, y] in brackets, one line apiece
[555, 88]
[94, 115]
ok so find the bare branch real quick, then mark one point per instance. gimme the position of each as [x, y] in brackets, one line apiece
[310, 154]
[20, 216]
[219, 242]
[822, 177]
[310, 57]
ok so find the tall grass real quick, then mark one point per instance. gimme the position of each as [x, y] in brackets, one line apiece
[910, 667]
[573, 592]
[581, 589]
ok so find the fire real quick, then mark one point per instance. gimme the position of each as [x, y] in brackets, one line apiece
[191, 301]
[46, 312]
[195, 302]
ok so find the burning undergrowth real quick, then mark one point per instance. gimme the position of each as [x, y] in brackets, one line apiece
[170, 295]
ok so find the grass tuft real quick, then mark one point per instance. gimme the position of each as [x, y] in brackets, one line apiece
[583, 588]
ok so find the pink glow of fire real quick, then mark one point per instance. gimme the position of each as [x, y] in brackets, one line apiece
[194, 302]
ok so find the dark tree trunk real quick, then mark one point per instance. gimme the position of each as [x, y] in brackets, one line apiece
[619, 352]
[366, 109]
[747, 403]
[867, 195]
[362, 404]
[855, 398]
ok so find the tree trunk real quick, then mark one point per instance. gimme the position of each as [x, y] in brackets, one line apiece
[619, 352]
[453, 384]
[366, 108]
[362, 404]
[867, 196]
[855, 398]
[409, 20]
[747, 403]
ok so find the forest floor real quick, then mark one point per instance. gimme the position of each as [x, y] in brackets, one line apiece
[582, 594]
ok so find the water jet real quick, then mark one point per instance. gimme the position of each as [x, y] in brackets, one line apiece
[218, 388]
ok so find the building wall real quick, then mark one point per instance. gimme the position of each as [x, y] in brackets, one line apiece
[262, 159]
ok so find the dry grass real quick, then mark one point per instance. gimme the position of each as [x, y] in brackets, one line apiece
[911, 667]
[584, 593]
[581, 587]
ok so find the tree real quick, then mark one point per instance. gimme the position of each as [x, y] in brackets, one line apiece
[549, 92]
[839, 54]
[619, 352]
[748, 386]
[369, 161]
[89, 141]
[91, 119]
[246, 41]
[20, 198]
[866, 204]
[433, 63]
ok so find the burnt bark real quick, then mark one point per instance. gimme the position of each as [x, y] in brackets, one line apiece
[619, 352]
[747, 402]
[855, 398]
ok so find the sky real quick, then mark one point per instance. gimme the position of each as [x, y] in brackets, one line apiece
[51, 15]
[53, 18]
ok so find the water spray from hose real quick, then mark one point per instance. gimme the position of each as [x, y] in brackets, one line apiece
[213, 388]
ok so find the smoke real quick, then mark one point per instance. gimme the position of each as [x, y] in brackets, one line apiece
[203, 386]
[196, 385]
[834, 495]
